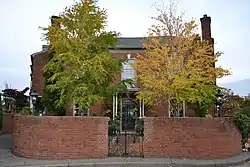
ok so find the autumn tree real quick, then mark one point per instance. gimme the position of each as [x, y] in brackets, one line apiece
[81, 67]
[177, 66]
[245, 107]
[231, 102]
[51, 97]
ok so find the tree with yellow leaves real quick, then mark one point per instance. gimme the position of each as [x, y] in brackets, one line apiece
[177, 66]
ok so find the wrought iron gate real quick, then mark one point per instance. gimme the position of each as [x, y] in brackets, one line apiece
[126, 134]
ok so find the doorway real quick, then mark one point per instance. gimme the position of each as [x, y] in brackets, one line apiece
[126, 140]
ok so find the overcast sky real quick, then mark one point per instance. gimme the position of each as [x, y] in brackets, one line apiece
[20, 36]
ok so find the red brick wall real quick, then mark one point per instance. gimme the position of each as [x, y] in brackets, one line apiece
[161, 110]
[98, 109]
[191, 137]
[7, 125]
[53, 137]
[38, 65]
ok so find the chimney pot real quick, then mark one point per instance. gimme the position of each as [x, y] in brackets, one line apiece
[45, 48]
[205, 18]
[55, 21]
[55, 17]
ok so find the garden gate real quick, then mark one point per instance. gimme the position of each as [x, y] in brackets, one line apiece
[126, 132]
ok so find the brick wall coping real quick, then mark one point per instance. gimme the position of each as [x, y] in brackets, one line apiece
[61, 117]
[197, 118]
[4, 112]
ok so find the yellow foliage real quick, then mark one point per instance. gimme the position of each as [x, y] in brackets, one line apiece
[177, 63]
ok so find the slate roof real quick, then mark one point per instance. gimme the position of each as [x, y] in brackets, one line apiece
[130, 43]
[123, 43]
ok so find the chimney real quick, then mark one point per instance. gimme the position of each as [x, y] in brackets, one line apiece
[45, 47]
[55, 21]
[206, 28]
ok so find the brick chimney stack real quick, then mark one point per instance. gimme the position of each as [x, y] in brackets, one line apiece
[206, 34]
[55, 21]
[206, 28]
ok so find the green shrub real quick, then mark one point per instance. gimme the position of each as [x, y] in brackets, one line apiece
[114, 126]
[139, 126]
[26, 111]
[245, 107]
[243, 123]
[200, 109]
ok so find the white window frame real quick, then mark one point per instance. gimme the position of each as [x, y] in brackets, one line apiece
[180, 106]
[127, 70]
[77, 112]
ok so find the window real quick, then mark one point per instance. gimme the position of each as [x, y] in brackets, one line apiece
[176, 109]
[78, 112]
[128, 72]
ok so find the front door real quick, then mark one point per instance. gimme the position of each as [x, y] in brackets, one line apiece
[129, 114]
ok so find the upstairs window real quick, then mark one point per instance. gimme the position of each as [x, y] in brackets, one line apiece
[128, 72]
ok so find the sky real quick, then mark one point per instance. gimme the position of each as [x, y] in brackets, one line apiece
[20, 34]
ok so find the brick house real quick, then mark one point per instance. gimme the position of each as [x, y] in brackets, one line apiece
[126, 48]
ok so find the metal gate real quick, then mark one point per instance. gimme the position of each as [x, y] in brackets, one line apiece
[126, 134]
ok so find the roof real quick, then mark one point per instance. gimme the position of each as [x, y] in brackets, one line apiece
[130, 43]
[123, 43]
[135, 42]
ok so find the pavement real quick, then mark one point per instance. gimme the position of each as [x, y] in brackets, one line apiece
[7, 159]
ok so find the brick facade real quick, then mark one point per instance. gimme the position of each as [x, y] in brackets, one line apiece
[55, 137]
[7, 124]
[38, 60]
[191, 138]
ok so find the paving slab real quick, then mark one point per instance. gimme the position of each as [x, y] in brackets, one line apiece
[7, 159]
